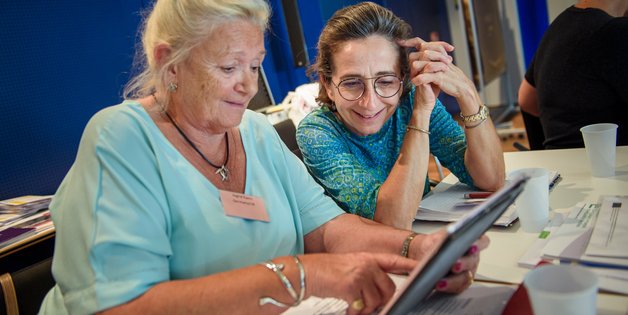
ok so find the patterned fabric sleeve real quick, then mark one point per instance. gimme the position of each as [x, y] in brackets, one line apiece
[448, 142]
[331, 162]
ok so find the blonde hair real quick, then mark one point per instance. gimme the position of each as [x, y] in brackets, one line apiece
[182, 25]
[357, 22]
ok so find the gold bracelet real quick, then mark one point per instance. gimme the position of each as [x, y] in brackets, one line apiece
[482, 114]
[406, 244]
[410, 127]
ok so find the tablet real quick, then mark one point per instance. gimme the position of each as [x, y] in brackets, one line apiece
[461, 235]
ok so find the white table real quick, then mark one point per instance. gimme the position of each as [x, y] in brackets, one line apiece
[499, 262]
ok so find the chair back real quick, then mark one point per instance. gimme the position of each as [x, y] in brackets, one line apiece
[534, 131]
[25, 289]
[288, 133]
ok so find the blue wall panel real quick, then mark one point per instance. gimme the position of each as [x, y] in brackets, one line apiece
[533, 20]
[61, 62]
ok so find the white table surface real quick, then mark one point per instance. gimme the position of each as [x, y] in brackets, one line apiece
[499, 262]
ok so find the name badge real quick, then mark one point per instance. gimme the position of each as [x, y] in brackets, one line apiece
[243, 206]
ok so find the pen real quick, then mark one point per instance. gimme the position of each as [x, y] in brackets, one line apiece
[479, 194]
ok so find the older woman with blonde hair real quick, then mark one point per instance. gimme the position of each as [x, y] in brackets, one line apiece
[182, 201]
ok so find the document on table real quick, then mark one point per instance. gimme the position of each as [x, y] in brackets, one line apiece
[533, 256]
[481, 299]
[610, 234]
[570, 239]
[446, 202]
[570, 242]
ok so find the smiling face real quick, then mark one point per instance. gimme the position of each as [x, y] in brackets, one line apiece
[370, 57]
[219, 78]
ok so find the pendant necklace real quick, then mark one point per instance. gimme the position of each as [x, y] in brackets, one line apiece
[220, 170]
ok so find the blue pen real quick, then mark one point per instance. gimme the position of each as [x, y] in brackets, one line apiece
[594, 264]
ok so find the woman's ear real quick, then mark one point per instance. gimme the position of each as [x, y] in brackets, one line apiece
[162, 53]
[328, 88]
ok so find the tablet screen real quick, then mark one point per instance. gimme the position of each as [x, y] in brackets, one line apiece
[460, 236]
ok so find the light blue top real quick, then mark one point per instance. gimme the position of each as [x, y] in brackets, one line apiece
[352, 168]
[133, 212]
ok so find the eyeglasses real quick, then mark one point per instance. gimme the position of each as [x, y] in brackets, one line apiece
[352, 89]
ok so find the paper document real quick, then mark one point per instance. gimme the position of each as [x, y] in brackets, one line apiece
[447, 203]
[481, 299]
[533, 255]
[610, 234]
[571, 239]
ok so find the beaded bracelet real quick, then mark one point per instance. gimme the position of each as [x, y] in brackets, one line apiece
[277, 269]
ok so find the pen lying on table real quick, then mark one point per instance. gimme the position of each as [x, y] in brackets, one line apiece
[478, 195]
[486, 194]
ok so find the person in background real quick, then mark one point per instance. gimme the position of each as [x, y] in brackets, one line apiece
[369, 144]
[182, 201]
[579, 72]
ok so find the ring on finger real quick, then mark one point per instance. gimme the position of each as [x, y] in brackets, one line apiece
[357, 304]
[470, 277]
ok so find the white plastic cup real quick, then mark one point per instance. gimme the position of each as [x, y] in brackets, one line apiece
[533, 202]
[562, 289]
[600, 141]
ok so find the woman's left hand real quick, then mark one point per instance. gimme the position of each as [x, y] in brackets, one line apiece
[462, 272]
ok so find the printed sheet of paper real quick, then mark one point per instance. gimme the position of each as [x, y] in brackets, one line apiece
[610, 234]
[481, 299]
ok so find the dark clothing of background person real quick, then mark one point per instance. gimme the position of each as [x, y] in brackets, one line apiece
[580, 72]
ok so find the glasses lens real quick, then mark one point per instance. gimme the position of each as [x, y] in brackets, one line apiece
[387, 86]
[351, 89]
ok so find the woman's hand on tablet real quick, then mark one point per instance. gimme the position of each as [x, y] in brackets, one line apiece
[463, 271]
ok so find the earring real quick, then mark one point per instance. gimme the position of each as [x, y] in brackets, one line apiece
[332, 106]
[172, 87]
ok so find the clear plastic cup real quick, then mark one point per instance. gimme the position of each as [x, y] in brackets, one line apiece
[533, 202]
[562, 289]
[600, 141]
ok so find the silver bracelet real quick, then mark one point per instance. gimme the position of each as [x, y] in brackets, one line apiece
[302, 279]
[277, 269]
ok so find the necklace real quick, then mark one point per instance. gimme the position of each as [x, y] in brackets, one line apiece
[220, 170]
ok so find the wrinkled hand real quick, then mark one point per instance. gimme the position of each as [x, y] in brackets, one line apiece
[430, 57]
[462, 272]
[354, 276]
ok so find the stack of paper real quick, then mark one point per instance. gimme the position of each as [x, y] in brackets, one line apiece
[27, 226]
[447, 203]
[25, 204]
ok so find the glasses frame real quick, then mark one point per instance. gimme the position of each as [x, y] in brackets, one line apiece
[337, 86]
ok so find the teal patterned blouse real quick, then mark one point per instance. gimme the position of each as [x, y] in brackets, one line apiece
[352, 168]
